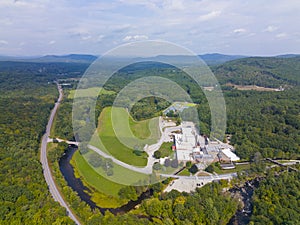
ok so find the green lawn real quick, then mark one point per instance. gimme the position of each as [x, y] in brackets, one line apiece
[121, 175]
[105, 193]
[145, 132]
[238, 168]
[185, 172]
[166, 149]
[89, 92]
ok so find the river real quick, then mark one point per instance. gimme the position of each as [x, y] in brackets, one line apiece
[241, 217]
[77, 185]
[245, 193]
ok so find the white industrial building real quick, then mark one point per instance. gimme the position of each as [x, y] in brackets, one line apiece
[187, 142]
[190, 146]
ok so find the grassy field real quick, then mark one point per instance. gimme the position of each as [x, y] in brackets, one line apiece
[251, 87]
[121, 175]
[94, 91]
[166, 149]
[237, 168]
[185, 172]
[143, 132]
[146, 132]
[104, 192]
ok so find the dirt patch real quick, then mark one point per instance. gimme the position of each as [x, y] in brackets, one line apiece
[253, 87]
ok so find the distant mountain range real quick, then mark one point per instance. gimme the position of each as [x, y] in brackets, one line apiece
[68, 58]
[74, 58]
[211, 59]
[216, 58]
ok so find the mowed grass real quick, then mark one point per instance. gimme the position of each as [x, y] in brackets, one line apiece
[185, 172]
[88, 92]
[238, 168]
[121, 175]
[140, 129]
[166, 149]
[145, 132]
[112, 143]
[106, 194]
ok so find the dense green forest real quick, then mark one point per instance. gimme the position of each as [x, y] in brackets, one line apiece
[265, 122]
[207, 205]
[261, 71]
[276, 201]
[25, 103]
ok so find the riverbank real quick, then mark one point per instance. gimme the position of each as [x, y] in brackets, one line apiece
[83, 192]
[244, 194]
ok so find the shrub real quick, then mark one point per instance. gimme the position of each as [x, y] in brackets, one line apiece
[188, 164]
[157, 154]
[174, 163]
[193, 169]
[210, 169]
[167, 162]
[156, 166]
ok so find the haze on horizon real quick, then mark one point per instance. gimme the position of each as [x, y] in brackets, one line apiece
[40, 27]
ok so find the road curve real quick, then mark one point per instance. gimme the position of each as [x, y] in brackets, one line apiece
[46, 169]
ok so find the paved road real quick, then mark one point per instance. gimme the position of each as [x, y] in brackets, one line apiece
[146, 170]
[46, 169]
[190, 183]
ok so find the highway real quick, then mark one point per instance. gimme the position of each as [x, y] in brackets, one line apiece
[46, 169]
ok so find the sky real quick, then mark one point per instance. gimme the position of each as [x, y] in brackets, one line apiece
[254, 27]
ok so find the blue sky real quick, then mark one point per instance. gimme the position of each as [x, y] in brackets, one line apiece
[39, 27]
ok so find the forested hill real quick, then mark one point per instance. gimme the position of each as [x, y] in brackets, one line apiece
[26, 99]
[261, 71]
[43, 71]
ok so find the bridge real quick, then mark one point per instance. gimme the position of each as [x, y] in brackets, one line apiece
[282, 165]
[62, 140]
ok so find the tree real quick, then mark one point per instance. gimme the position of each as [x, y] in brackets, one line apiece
[257, 164]
[188, 164]
[95, 160]
[157, 154]
[109, 172]
[178, 121]
[128, 192]
[156, 166]
[153, 207]
[174, 163]
[137, 152]
[167, 162]
[193, 169]
[210, 169]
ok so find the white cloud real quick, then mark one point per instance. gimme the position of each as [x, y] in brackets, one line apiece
[173, 5]
[100, 38]
[135, 38]
[51, 42]
[270, 28]
[86, 37]
[239, 30]
[3, 42]
[97, 26]
[209, 16]
[6, 22]
[82, 33]
[281, 35]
